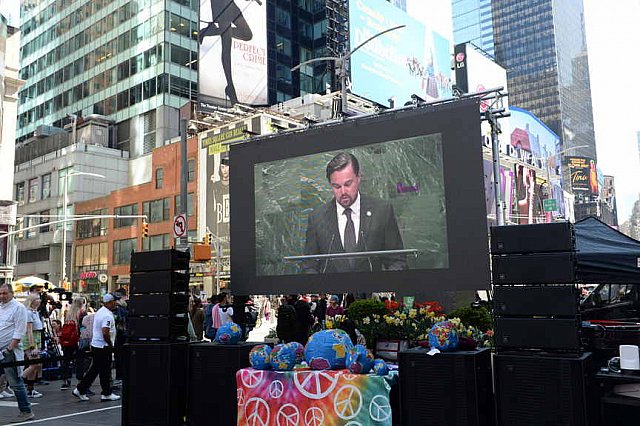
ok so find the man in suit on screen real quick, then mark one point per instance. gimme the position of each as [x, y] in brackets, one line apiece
[352, 222]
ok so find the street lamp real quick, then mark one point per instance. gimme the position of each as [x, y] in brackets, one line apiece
[341, 61]
[63, 271]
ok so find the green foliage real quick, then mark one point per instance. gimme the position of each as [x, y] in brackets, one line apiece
[476, 317]
[360, 309]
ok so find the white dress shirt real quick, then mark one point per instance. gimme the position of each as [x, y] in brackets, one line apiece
[355, 216]
[13, 322]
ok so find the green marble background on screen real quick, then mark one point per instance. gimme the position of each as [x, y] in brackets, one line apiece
[288, 190]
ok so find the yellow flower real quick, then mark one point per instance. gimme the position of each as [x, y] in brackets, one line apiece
[423, 311]
[402, 316]
[412, 313]
[328, 324]
[431, 314]
[397, 313]
[389, 320]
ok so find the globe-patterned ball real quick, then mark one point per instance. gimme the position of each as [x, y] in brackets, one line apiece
[299, 348]
[283, 357]
[229, 334]
[380, 367]
[360, 360]
[443, 336]
[327, 350]
[260, 357]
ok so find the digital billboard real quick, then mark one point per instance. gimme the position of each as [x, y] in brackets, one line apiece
[401, 63]
[409, 182]
[232, 58]
[584, 175]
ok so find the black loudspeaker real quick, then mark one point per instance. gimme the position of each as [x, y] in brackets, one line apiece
[155, 384]
[158, 328]
[537, 238]
[551, 268]
[212, 382]
[159, 282]
[159, 260]
[158, 304]
[537, 390]
[532, 300]
[450, 388]
[550, 334]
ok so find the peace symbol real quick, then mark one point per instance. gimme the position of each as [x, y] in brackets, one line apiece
[379, 408]
[347, 402]
[349, 377]
[256, 412]
[240, 396]
[314, 417]
[275, 389]
[315, 384]
[251, 378]
[288, 415]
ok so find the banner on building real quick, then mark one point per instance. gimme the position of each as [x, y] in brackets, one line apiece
[232, 63]
[584, 175]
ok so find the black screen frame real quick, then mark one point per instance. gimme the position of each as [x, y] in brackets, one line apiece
[466, 217]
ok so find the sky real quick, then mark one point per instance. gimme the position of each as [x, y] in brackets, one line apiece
[613, 37]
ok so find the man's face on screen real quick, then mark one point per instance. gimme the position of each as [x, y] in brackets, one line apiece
[345, 184]
[224, 172]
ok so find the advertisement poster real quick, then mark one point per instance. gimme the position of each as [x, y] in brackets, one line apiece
[401, 63]
[584, 175]
[233, 52]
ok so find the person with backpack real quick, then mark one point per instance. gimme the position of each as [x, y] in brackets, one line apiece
[70, 337]
[287, 320]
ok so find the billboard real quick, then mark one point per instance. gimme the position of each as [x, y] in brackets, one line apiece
[419, 217]
[232, 56]
[584, 175]
[404, 62]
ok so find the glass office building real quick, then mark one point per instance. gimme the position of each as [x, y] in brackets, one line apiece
[472, 22]
[134, 61]
[542, 45]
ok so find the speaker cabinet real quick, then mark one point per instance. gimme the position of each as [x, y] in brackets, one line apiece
[450, 388]
[536, 300]
[550, 268]
[539, 390]
[155, 384]
[549, 334]
[212, 368]
[158, 304]
[159, 260]
[535, 238]
[169, 328]
[159, 282]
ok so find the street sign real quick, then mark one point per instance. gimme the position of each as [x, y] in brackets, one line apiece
[179, 225]
[550, 205]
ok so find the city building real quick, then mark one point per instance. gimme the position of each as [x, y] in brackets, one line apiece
[9, 86]
[103, 246]
[132, 61]
[472, 22]
[50, 169]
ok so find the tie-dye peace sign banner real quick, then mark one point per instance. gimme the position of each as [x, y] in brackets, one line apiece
[311, 398]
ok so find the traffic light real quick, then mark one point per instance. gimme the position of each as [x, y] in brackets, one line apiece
[208, 238]
[145, 229]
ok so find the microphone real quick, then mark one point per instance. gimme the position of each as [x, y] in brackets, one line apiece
[326, 261]
[364, 242]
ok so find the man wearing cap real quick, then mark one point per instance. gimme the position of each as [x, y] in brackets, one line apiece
[352, 222]
[104, 333]
[13, 325]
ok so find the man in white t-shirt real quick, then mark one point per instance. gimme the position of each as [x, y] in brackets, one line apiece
[104, 334]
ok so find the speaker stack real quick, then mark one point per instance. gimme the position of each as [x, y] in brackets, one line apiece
[541, 374]
[157, 326]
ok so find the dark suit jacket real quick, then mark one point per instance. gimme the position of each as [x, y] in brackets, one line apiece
[378, 231]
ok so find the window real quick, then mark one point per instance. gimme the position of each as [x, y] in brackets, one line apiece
[35, 255]
[129, 210]
[122, 251]
[62, 180]
[156, 242]
[159, 178]
[30, 221]
[34, 189]
[177, 206]
[20, 193]
[191, 173]
[46, 186]
[44, 219]
[92, 227]
[157, 210]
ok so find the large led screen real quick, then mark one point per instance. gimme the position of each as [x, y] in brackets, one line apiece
[391, 202]
[411, 60]
[232, 61]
